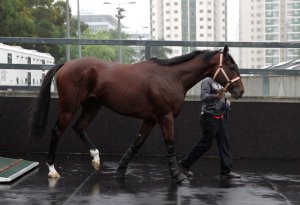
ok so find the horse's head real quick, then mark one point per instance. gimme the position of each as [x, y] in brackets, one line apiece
[227, 74]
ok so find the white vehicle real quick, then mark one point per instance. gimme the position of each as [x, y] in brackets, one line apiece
[19, 55]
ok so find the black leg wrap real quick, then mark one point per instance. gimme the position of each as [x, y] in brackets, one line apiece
[122, 169]
[53, 144]
[173, 166]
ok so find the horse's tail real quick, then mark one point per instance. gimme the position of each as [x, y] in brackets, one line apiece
[40, 107]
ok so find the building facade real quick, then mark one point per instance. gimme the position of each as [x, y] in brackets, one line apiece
[99, 22]
[187, 20]
[269, 21]
[18, 55]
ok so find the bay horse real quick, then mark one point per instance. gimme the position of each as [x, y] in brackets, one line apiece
[152, 90]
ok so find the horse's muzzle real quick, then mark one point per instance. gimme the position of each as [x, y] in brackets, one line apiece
[236, 94]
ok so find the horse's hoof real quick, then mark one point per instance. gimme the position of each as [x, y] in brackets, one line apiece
[96, 165]
[53, 175]
[121, 173]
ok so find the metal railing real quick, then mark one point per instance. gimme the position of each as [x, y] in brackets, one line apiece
[264, 74]
[148, 43]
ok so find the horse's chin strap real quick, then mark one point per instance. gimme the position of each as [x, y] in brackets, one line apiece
[224, 73]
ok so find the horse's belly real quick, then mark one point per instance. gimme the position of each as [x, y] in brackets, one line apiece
[128, 105]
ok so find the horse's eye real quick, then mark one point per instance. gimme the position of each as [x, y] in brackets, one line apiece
[234, 67]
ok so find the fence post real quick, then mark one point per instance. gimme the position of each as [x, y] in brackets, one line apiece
[147, 50]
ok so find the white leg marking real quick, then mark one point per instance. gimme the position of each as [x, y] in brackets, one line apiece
[96, 159]
[52, 171]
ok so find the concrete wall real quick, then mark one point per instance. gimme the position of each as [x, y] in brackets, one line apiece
[257, 130]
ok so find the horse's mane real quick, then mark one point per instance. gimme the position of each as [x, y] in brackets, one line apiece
[180, 59]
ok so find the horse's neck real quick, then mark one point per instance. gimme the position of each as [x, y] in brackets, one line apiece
[191, 73]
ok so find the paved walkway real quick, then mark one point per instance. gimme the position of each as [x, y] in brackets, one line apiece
[263, 182]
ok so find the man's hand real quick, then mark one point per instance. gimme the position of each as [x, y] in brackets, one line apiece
[220, 93]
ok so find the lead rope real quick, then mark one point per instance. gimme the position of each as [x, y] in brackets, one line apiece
[226, 111]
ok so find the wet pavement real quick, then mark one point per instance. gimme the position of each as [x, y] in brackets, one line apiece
[267, 182]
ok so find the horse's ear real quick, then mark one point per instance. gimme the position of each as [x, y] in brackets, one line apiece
[226, 49]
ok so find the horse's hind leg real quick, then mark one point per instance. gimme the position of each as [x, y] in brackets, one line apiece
[134, 148]
[57, 131]
[89, 110]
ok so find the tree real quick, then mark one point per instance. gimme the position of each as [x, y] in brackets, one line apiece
[46, 19]
[158, 52]
[36, 18]
[16, 19]
[103, 52]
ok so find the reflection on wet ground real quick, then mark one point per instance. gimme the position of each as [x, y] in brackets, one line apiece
[267, 182]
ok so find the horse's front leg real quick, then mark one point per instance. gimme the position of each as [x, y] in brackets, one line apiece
[167, 125]
[134, 148]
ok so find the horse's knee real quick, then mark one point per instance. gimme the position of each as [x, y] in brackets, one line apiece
[56, 132]
[77, 129]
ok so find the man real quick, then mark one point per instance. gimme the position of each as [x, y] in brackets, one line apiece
[213, 125]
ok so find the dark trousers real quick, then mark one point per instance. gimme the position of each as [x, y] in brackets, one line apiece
[212, 128]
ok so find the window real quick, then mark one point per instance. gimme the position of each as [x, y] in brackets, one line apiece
[9, 58]
[28, 79]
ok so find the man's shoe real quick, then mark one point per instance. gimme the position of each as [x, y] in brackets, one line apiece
[230, 175]
[185, 171]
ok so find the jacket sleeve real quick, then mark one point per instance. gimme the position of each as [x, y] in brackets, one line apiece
[206, 95]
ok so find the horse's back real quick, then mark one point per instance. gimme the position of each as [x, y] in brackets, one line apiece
[89, 76]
